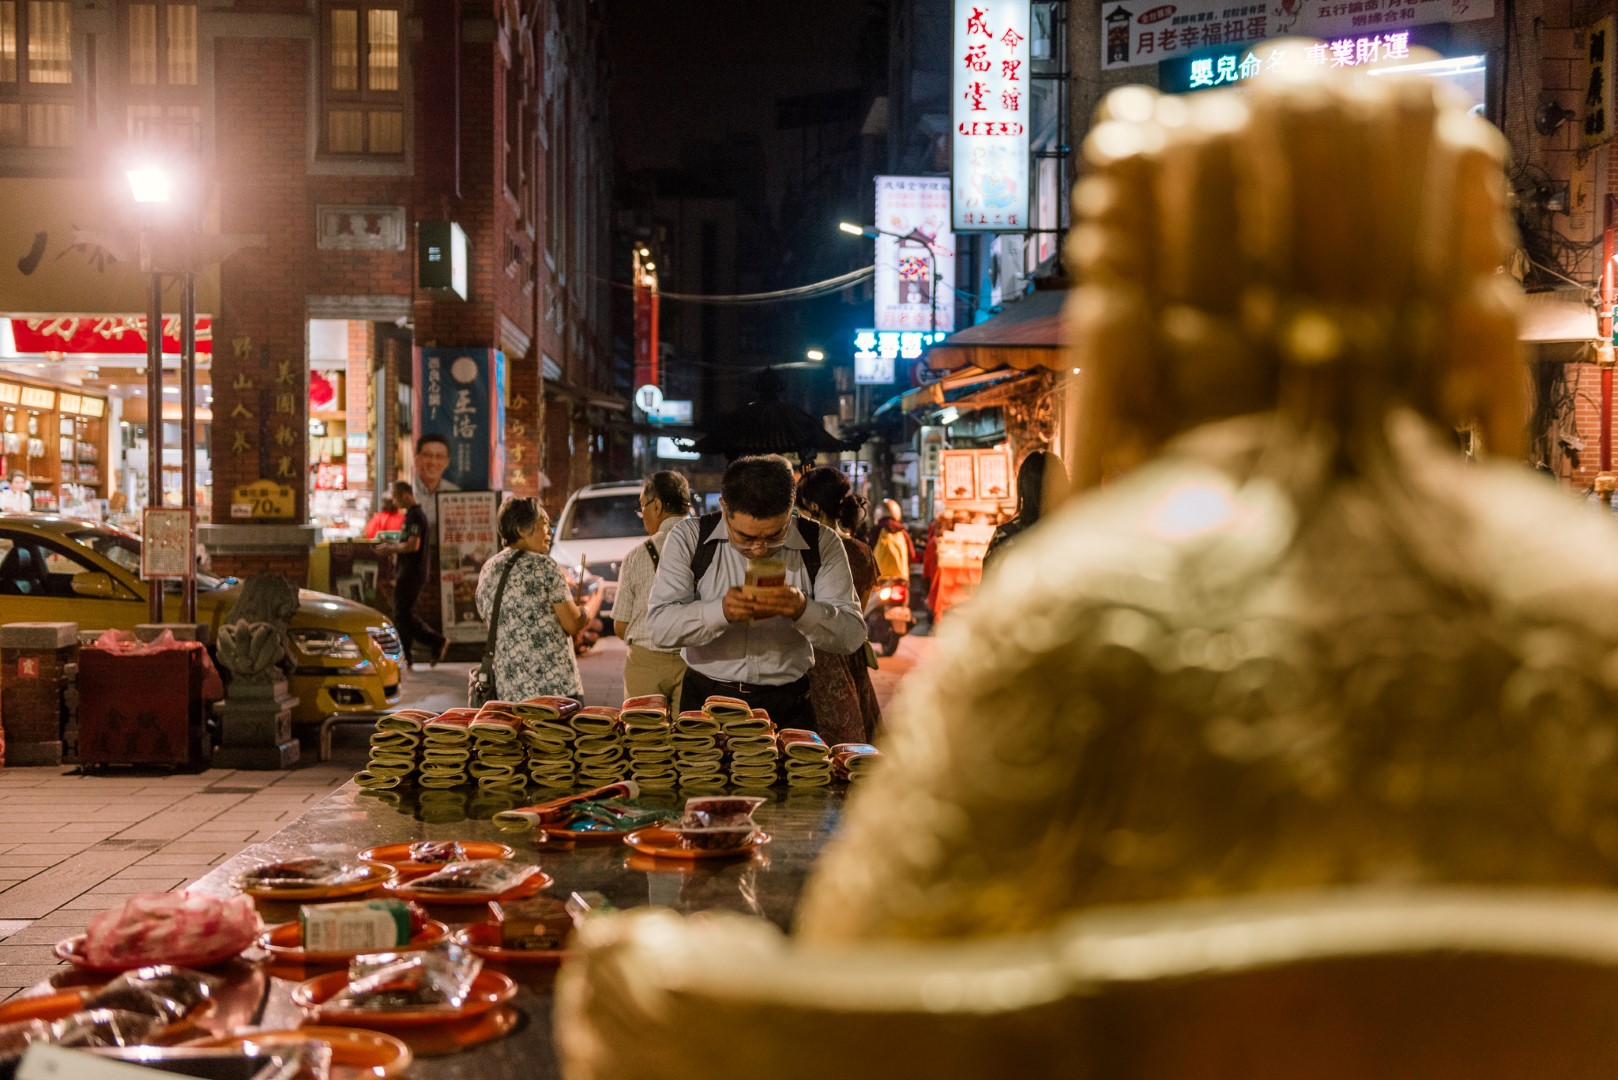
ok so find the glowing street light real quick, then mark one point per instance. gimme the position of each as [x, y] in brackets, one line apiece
[150, 184]
[856, 230]
[816, 355]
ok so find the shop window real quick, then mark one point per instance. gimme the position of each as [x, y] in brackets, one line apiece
[36, 73]
[362, 92]
[161, 84]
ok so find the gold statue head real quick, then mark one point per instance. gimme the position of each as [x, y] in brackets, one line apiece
[1326, 246]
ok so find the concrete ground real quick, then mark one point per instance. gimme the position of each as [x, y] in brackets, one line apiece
[73, 845]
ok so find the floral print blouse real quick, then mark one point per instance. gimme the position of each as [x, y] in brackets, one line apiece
[533, 655]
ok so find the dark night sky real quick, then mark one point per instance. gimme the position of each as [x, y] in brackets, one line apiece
[692, 71]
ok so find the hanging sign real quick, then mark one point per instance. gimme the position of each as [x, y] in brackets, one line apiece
[461, 395]
[264, 499]
[990, 115]
[915, 210]
[1597, 110]
[1136, 32]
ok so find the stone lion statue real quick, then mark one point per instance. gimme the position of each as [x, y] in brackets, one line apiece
[252, 638]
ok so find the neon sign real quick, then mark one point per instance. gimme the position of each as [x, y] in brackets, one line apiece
[875, 352]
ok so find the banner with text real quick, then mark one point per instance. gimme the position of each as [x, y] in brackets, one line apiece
[468, 537]
[1136, 32]
[461, 395]
[990, 115]
[915, 209]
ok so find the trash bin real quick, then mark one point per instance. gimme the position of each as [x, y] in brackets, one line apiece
[143, 704]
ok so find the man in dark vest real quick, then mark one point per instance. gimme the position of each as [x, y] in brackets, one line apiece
[756, 644]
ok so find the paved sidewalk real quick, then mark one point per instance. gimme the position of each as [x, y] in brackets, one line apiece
[73, 845]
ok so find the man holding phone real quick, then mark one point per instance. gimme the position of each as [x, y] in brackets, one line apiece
[753, 642]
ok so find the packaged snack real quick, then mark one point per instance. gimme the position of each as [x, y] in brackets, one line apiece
[557, 809]
[540, 923]
[168, 993]
[361, 926]
[291, 1059]
[723, 810]
[475, 876]
[616, 815]
[299, 873]
[715, 838]
[436, 851]
[176, 927]
[104, 1027]
[392, 981]
[15, 1039]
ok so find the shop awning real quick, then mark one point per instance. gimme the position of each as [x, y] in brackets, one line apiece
[1025, 335]
[1558, 315]
[952, 388]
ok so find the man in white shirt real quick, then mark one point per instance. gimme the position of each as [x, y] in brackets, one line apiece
[665, 501]
[756, 645]
[432, 458]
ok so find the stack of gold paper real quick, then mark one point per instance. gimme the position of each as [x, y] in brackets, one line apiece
[548, 737]
[499, 761]
[807, 758]
[751, 753]
[395, 750]
[851, 761]
[647, 737]
[599, 750]
[698, 756]
[447, 749]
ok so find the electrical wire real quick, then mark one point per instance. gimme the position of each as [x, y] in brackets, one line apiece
[799, 292]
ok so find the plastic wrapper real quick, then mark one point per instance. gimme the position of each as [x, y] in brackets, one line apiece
[614, 815]
[541, 923]
[475, 875]
[15, 1039]
[557, 810]
[436, 851]
[301, 873]
[168, 993]
[721, 810]
[394, 981]
[171, 928]
[304, 1059]
[104, 1027]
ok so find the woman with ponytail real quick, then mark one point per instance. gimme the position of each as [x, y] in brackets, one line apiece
[840, 686]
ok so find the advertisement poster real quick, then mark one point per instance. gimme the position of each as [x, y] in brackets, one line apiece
[915, 209]
[1136, 32]
[990, 115]
[168, 547]
[461, 395]
[467, 538]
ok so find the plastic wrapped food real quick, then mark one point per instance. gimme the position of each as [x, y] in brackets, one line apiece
[475, 876]
[168, 993]
[301, 1059]
[436, 851]
[361, 926]
[559, 810]
[392, 981]
[721, 810]
[614, 815]
[542, 923]
[104, 1027]
[180, 928]
[16, 1038]
[301, 873]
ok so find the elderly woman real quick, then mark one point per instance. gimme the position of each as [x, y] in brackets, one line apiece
[538, 616]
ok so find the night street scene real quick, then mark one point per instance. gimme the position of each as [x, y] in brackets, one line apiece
[602, 540]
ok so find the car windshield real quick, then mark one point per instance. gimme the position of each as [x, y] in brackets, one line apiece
[124, 549]
[602, 517]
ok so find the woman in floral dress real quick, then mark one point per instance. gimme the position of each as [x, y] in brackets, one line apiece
[538, 616]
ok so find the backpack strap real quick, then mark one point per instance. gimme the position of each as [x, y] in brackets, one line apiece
[702, 555]
[651, 549]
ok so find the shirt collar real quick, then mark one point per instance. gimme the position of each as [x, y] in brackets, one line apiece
[667, 526]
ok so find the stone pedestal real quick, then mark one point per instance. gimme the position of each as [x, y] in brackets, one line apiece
[255, 725]
[38, 665]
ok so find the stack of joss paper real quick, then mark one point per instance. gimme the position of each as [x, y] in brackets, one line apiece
[648, 739]
[395, 750]
[699, 756]
[850, 761]
[548, 736]
[807, 758]
[499, 761]
[599, 748]
[751, 753]
[447, 749]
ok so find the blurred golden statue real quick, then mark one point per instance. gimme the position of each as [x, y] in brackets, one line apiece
[1232, 757]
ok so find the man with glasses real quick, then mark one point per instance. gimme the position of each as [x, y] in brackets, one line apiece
[757, 644]
[665, 500]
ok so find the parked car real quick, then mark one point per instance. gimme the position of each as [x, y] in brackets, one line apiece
[599, 526]
[59, 569]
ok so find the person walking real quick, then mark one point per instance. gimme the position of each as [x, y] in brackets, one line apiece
[665, 501]
[840, 687]
[534, 655]
[1040, 475]
[410, 577]
[757, 643]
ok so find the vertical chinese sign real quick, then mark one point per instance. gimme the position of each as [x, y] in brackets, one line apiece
[645, 331]
[461, 395]
[467, 538]
[915, 209]
[1601, 39]
[990, 114]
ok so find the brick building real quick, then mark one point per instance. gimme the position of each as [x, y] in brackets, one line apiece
[1534, 79]
[326, 133]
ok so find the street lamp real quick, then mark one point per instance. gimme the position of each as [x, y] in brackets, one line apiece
[872, 232]
[816, 355]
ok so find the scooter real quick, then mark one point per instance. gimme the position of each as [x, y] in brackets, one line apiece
[887, 615]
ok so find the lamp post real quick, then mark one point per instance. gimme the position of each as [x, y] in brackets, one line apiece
[153, 187]
[872, 232]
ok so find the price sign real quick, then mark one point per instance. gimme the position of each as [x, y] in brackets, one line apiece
[263, 499]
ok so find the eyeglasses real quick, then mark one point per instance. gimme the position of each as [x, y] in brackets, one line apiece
[743, 542]
[644, 506]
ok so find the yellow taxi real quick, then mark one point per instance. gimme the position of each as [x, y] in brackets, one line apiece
[58, 569]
